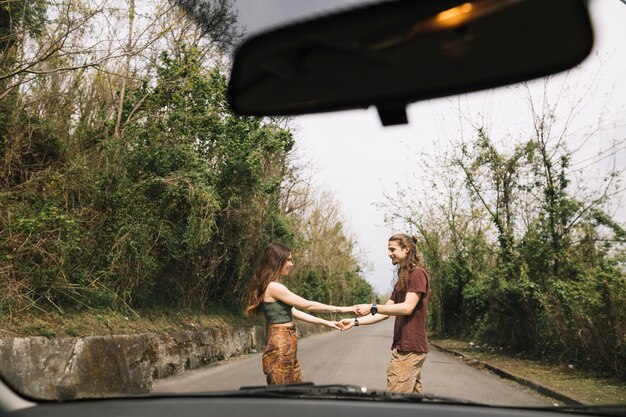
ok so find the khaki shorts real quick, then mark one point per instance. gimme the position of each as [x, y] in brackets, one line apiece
[404, 372]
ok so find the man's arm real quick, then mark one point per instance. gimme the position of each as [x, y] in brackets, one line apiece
[404, 308]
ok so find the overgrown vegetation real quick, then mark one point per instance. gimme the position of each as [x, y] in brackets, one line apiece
[518, 235]
[128, 184]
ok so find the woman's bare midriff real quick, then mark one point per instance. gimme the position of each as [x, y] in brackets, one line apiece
[283, 324]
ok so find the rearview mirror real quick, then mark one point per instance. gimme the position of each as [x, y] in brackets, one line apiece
[395, 53]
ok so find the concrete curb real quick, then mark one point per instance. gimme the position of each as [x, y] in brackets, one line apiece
[542, 389]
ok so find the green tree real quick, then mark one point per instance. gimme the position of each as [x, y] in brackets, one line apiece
[526, 256]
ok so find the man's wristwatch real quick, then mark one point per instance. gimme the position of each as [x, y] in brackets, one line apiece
[356, 321]
[374, 309]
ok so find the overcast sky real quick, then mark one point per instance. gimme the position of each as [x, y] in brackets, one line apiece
[358, 160]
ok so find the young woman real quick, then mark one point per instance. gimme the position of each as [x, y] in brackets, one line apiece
[279, 306]
[409, 303]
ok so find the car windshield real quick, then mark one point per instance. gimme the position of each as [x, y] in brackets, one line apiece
[154, 242]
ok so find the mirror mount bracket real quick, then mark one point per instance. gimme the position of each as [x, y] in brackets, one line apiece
[392, 114]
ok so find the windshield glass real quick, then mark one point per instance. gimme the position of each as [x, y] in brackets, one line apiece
[148, 233]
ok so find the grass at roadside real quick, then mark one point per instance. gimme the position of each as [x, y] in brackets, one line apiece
[98, 323]
[561, 378]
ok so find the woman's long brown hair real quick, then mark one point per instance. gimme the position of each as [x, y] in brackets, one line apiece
[413, 259]
[267, 270]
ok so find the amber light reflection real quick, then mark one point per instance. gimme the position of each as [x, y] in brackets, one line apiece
[455, 16]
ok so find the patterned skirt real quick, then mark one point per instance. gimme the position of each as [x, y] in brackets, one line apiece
[280, 360]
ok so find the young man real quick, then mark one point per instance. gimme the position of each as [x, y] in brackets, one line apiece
[409, 303]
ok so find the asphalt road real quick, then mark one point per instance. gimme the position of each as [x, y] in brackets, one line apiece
[359, 357]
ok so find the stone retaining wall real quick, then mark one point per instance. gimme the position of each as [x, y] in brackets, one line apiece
[99, 366]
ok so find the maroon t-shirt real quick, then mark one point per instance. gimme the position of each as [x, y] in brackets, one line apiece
[409, 333]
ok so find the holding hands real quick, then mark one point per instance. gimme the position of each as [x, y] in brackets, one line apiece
[358, 310]
[333, 324]
[342, 324]
[346, 324]
[363, 309]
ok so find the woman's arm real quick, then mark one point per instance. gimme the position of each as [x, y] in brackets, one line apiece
[404, 308]
[280, 292]
[312, 319]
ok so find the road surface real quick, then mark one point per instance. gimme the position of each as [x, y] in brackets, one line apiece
[359, 357]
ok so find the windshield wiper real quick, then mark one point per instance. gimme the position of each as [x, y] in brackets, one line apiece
[341, 391]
